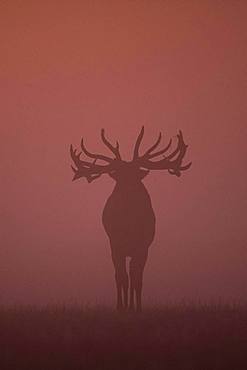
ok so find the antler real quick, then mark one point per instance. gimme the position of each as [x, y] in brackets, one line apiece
[91, 170]
[115, 150]
[137, 144]
[174, 166]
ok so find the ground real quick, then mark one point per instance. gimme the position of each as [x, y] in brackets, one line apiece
[173, 337]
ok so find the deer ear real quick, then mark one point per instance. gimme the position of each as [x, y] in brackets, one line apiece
[143, 173]
[112, 175]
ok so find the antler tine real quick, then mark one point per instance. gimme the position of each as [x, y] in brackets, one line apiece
[162, 151]
[76, 158]
[115, 150]
[148, 154]
[181, 146]
[150, 150]
[93, 155]
[185, 167]
[174, 166]
[176, 163]
[90, 170]
[74, 169]
[177, 171]
[138, 143]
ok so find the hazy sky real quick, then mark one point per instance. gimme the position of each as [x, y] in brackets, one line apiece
[69, 68]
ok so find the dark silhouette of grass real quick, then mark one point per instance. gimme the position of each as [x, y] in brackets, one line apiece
[178, 337]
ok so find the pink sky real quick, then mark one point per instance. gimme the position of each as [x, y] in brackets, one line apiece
[69, 70]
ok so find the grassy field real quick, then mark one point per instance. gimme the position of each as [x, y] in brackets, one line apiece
[167, 338]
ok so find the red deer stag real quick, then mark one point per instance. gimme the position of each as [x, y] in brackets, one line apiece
[128, 216]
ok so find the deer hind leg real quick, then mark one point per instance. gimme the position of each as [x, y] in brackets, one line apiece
[136, 269]
[122, 281]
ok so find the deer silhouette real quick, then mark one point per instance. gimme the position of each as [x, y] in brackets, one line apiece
[128, 216]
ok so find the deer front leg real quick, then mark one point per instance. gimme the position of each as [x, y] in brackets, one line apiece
[131, 273]
[119, 291]
[137, 265]
[122, 281]
[138, 290]
[125, 287]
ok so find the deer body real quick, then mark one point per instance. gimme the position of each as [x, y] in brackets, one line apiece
[129, 222]
[129, 219]
[128, 215]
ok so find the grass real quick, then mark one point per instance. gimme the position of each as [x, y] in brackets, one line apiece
[74, 338]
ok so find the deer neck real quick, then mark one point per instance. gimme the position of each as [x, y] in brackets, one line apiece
[129, 186]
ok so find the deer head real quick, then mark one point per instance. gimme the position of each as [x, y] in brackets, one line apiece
[136, 169]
